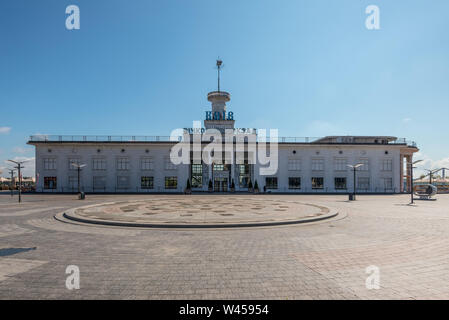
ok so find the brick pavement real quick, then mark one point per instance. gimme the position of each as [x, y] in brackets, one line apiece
[326, 260]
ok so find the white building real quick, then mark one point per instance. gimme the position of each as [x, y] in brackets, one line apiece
[143, 164]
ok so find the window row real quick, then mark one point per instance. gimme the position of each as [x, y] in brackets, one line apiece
[99, 182]
[122, 163]
[171, 182]
[340, 183]
[340, 164]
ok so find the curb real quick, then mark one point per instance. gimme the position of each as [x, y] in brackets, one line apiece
[73, 217]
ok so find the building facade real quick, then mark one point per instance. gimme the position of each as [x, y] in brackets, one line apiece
[144, 164]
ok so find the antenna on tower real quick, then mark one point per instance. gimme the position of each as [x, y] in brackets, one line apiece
[219, 63]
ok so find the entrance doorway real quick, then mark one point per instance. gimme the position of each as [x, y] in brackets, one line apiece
[221, 184]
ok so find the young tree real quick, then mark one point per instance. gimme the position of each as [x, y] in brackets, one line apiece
[256, 186]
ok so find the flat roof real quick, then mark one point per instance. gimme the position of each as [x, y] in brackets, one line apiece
[328, 140]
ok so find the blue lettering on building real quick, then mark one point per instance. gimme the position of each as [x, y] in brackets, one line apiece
[219, 116]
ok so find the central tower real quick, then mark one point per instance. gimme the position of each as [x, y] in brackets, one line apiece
[219, 118]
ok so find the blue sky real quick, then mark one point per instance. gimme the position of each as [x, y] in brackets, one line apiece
[308, 68]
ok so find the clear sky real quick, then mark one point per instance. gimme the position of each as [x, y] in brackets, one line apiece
[306, 67]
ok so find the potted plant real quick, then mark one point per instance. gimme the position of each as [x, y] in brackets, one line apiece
[188, 189]
[256, 187]
[210, 186]
[250, 186]
[232, 186]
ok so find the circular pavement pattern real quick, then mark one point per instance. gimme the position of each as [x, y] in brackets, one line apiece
[196, 212]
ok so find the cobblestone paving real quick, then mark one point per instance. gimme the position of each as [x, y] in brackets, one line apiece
[326, 260]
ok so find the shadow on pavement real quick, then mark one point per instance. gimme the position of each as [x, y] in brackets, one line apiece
[10, 251]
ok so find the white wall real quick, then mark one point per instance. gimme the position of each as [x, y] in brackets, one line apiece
[353, 153]
[62, 152]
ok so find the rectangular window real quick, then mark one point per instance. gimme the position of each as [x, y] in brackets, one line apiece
[243, 181]
[294, 183]
[363, 183]
[388, 183]
[49, 163]
[122, 182]
[218, 167]
[387, 165]
[169, 165]
[73, 182]
[197, 169]
[122, 163]
[365, 166]
[98, 164]
[244, 175]
[317, 164]
[243, 169]
[197, 175]
[146, 164]
[294, 164]
[146, 182]
[49, 182]
[318, 183]
[171, 182]
[271, 182]
[340, 183]
[340, 164]
[99, 182]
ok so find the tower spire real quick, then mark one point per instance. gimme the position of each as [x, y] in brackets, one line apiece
[218, 118]
[219, 63]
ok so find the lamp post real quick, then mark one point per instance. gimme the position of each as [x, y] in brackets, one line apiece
[19, 167]
[411, 178]
[78, 168]
[11, 171]
[354, 168]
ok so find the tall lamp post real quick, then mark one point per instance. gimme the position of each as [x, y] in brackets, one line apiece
[411, 164]
[78, 168]
[354, 168]
[11, 172]
[19, 167]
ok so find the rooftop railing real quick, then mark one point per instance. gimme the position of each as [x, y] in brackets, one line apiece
[105, 138]
[79, 138]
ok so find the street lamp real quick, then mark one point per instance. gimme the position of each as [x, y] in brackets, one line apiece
[11, 172]
[78, 168]
[19, 166]
[354, 168]
[411, 164]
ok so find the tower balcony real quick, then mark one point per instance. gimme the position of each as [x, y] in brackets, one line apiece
[216, 96]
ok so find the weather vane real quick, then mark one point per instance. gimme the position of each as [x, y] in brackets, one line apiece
[219, 63]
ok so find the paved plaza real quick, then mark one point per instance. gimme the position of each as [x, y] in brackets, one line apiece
[319, 260]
